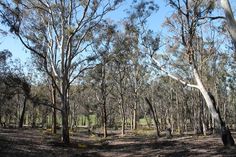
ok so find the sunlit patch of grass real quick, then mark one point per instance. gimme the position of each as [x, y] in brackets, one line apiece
[144, 132]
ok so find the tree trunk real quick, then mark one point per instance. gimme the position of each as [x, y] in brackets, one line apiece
[171, 111]
[179, 115]
[65, 113]
[1, 115]
[22, 114]
[200, 114]
[131, 120]
[195, 125]
[154, 117]
[54, 115]
[135, 115]
[210, 102]
[104, 119]
[65, 128]
[104, 100]
[230, 21]
[33, 117]
[168, 128]
[123, 120]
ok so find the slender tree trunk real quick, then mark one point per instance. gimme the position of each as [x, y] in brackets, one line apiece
[185, 120]
[54, 115]
[224, 111]
[234, 113]
[104, 119]
[179, 115]
[168, 127]
[195, 117]
[131, 120]
[89, 121]
[200, 114]
[1, 116]
[74, 117]
[123, 119]
[43, 119]
[135, 115]
[122, 115]
[171, 109]
[154, 115]
[33, 117]
[22, 114]
[104, 99]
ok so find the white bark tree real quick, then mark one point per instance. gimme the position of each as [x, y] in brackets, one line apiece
[231, 23]
[188, 18]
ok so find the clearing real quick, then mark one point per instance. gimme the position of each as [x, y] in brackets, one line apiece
[38, 143]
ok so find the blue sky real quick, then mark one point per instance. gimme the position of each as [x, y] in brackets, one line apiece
[154, 23]
[19, 52]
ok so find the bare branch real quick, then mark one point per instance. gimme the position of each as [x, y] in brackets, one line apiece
[158, 66]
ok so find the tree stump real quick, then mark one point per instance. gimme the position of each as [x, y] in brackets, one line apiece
[168, 133]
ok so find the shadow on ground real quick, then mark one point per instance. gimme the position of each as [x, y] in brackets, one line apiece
[38, 143]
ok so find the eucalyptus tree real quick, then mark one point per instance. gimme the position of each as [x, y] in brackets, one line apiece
[103, 49]
[16, 86]
[58, 34]
[13, 82]
[5, 92]
[137, 70]
[185, 22]
[134, 23]
[120, 73]
[137, 79]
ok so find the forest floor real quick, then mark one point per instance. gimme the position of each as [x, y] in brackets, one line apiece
[41, 143]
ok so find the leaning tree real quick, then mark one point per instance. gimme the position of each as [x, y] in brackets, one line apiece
[184, 23]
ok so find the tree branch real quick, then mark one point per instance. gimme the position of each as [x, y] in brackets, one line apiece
[158, 66]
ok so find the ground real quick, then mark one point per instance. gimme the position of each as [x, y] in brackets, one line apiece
[40, 143]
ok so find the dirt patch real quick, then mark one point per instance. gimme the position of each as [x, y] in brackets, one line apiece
[37, 143]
